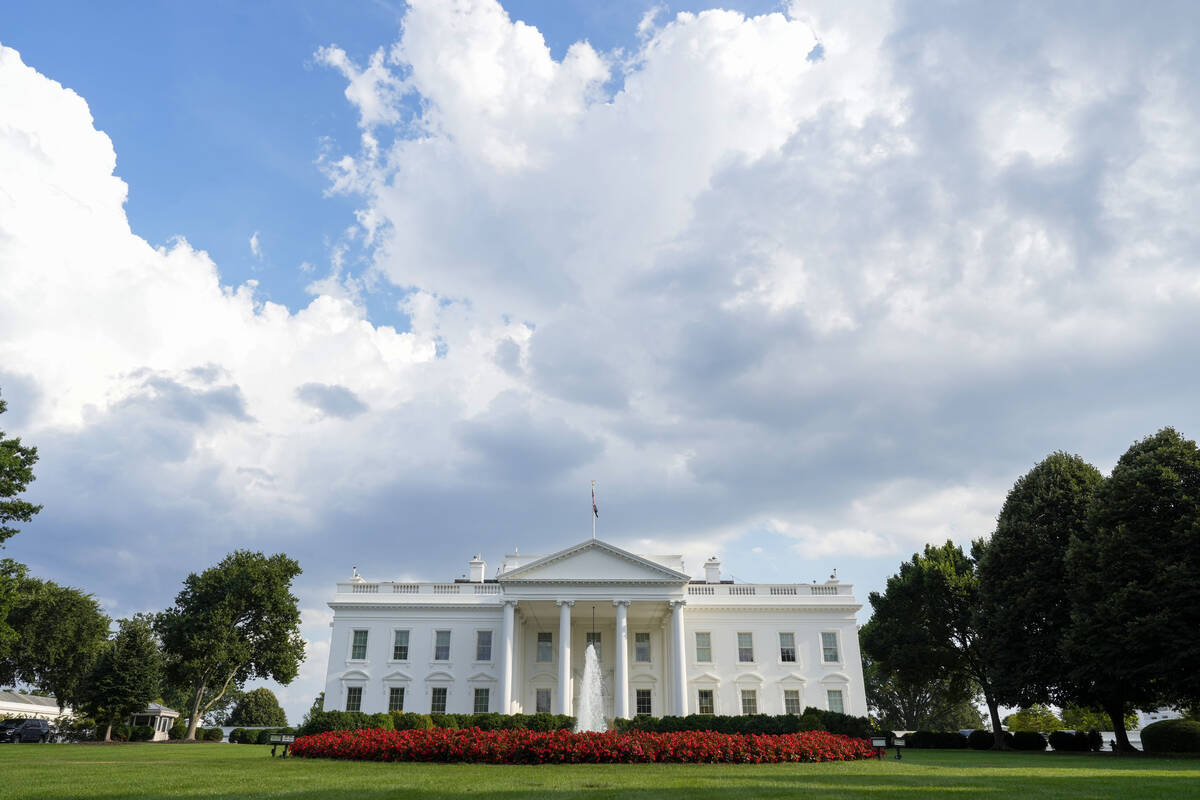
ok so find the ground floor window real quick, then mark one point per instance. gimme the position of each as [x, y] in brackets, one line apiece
[396, 698]
[642, 698]
[482, 701]
[705, 703]
[354, 698]
[541, 702]
[437, 703]
[749, 701]
[791, 701]
[835, 700]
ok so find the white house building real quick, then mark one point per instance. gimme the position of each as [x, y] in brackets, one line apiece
[668, 644]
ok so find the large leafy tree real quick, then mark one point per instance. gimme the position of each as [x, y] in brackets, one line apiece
[16, 473]
[1075, 718]
[1025, 604]
[127, 674]
[908, 701]
[231, 623]
[258, 707]
[1037, 718]
[925, 624]
[59, 634]
[1136, 583]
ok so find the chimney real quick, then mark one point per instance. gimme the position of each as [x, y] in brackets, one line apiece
[476, 568]
[712, 570]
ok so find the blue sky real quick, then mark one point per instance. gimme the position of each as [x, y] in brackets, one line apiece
[805, 313]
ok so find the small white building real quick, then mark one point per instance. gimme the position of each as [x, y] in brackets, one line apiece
[668, 644]
[31, 706]
[158, 717]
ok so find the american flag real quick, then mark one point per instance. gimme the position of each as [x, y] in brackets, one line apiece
[595, 511]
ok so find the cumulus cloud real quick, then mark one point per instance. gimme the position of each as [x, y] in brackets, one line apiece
[255, 246]
[821, 282]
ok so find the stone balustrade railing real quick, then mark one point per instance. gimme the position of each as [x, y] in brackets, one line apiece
[696, 590]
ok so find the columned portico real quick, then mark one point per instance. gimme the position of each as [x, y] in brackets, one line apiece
[564, 656]
[622, 687]
[678, 659]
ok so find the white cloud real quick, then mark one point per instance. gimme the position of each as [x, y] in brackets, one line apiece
[255, 246]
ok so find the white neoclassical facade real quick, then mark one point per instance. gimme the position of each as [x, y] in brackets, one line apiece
[668, 644]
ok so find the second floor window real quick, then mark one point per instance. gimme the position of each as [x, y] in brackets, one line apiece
[787, 647]
[745, 647]
[441, 646]
[545, 647]
[400, 646]
[829, 648]
[358, 649]
[641, 648]
[483, 645]
[704, 648]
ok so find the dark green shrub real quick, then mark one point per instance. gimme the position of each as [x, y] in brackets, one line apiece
[237, 735]
[845, 724]
[141, 733]
[1069, 742]
[979, 739]
[1172, 736]
[382, 721]
[178, 730]
[120, 733]
[410, 721]
[322, 721]
[1028, 740]
[935, 740]
[1095, 740]
[449, 721]
[544, 722]
[214, 735]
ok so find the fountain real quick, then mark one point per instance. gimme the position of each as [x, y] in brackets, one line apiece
[590, 714]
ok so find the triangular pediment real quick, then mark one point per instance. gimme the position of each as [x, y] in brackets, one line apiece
[593, 561]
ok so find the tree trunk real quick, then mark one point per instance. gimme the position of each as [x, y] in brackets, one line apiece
[194, 721]
[1116, 712]
[997, 726]
[108, 733]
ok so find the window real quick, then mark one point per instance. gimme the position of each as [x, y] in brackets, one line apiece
[749, 701]
[482, 701]
[437, 702]
[835, 700]
[641, 648]
[542, 702]
[483, 645]
[829, 648]
[396, 698]
[705, 704]
[400, 646]
[791, 701]
[593, 638]
[441, 646]
[358, 650]
[545, 653]
[787, 647]
[642, 701]
[745, 647]
[704, 648]
[354, 698]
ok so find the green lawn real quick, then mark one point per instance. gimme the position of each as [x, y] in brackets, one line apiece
[49, 772]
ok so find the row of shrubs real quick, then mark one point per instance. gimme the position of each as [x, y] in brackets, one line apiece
[255, 735]
[324, 721]
[813, 719]
[1070, 741]
[564, 747]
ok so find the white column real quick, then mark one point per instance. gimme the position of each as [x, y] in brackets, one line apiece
[564, 656]
[678, 660]
[506, 658]
[622, 688]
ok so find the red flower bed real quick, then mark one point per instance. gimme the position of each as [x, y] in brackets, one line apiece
[564, 747]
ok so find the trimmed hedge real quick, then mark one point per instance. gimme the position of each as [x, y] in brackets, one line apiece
[813, 719]
[1070, 742]
[178, 730]
[936, 740]
[213, 735]
[411, 721]
[324, 721]
[1172, 736]
[1028, 740]
[981, 739]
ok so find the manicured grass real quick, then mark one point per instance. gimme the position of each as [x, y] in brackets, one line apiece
[50, 772]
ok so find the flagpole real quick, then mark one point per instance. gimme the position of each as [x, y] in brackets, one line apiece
[595, 511]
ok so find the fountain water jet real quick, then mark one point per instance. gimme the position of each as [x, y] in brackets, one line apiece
[590, 714]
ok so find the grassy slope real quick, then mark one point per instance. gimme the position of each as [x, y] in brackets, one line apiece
[50, 772]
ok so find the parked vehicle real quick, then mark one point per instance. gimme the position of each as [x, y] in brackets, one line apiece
[24, 730]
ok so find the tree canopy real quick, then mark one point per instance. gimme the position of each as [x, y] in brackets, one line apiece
[925, 624]
[1136, 583]
[233, 622]
[1075, 718]
[1037, 718]
[940, 702]
[1025, 607]
[16, 473]
[59, 634]
[258, 707]
[127, 674]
